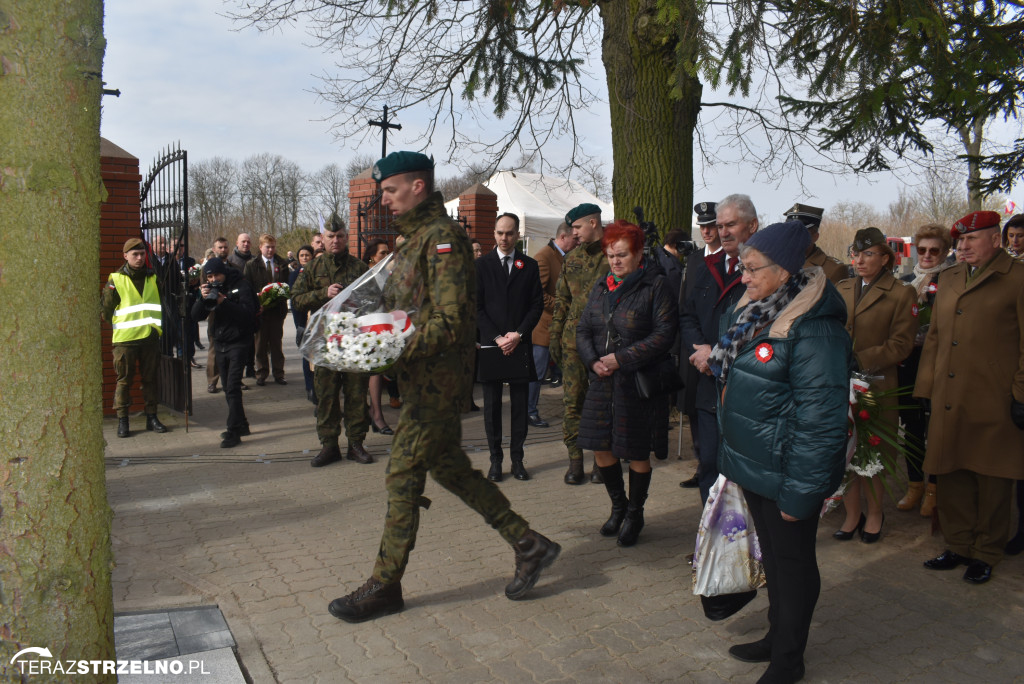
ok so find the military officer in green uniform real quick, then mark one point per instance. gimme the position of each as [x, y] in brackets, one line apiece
[131, 303]
[582, 268]
[320, 281]
[810, 216]
[433, 276]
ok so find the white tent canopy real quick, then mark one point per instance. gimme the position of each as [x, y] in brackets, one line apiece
[540, 202]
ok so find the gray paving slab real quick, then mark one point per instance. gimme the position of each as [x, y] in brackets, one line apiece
[271, 541]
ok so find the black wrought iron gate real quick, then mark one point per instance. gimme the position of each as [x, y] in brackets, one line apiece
[164, 199]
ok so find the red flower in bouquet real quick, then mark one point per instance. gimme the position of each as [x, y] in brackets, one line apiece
[874, 440]
[863, 415]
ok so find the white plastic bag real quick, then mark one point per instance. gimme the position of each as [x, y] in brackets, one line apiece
[727, 558]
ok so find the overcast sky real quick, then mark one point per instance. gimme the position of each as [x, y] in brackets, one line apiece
[186, 74]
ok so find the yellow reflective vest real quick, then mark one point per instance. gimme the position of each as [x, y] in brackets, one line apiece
[136, 314]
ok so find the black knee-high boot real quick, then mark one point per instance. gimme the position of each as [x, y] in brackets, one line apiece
[617, 493]
[639, 483]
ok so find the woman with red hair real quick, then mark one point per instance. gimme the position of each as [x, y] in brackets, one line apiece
[629, 323]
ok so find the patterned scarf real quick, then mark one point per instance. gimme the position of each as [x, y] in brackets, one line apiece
[752, 318]
[923, 278]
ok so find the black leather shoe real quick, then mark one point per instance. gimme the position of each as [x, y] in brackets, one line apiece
[241, 432]
[230, 441]
[386, 430]
[843, 535]
[261, 381]
[280, 381]
[689, 484]
[372, 600]
[122, 427]
[519, 471]
[242, 385]
[575, 474]
[212, 389]
[357, 453]
[978, 572]
[327, 456]
[754, 652]
[192, 362]
[494, 474]
[537, 422]
[872, 537]
[534, 553]
[153, 423]
[947, 560]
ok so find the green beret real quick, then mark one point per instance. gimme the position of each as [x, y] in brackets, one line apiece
[582, 210]
[401, 162]
[133, 243]
[334, 224]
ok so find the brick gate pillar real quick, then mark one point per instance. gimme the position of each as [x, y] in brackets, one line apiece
[120, 219]
[361, 188]
[479, 206]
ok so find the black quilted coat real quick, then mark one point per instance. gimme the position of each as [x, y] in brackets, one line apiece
[644, 314]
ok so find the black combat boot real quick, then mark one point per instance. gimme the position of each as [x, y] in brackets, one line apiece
[639, 483]
[534, 552]
[153, 423]
[122, 427]
[617, 493]
[328, 455]
[575, 475]
[372, 600]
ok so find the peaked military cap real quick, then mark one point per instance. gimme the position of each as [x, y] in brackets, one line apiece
[133, 243]
[705, 212]
[805, 214]
[578, 212]
[979, 220]
[401, 162]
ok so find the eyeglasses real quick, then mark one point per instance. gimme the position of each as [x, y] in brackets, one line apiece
[854, 253]
[742, 268]
[934, 251]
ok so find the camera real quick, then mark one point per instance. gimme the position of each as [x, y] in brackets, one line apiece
[651, 237]
[212, 295]
[686, 247]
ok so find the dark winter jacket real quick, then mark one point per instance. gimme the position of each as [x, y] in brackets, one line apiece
[235, 319]
[645, 317]
[782, 415]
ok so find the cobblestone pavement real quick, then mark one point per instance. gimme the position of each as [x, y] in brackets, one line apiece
[271, 541]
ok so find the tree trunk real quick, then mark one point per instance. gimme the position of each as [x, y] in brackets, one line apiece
[972, 137]
[652, 132]
[55, 555]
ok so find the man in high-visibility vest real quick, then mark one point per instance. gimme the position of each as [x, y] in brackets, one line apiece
[131, 303]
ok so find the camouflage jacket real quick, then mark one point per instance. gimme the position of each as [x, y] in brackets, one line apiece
[433, 274]
[583, 267]
[309, 292]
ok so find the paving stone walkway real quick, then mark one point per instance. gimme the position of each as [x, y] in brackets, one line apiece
[270, 541]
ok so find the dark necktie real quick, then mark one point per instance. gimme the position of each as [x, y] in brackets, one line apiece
[505, 264]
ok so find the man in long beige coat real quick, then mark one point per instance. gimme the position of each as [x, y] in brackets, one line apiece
[549, 261]
[972, 370]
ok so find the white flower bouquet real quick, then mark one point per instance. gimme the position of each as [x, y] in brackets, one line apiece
[195, 272]
[272, 293]
[355, 331]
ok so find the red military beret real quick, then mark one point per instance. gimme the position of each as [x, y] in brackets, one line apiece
[979, 220]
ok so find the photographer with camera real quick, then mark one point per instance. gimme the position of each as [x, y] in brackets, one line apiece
[228, 294]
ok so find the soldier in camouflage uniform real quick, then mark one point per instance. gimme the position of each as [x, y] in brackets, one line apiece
[433, 276]
[583, 267]
[320, 281]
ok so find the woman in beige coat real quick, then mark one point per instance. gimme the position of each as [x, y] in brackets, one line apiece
[881, 318]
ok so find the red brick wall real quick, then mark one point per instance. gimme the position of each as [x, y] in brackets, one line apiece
[120, 219]
[361, 188]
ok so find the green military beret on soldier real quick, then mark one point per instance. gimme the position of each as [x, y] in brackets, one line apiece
[334, 224]
[401, 162]
[133, 243]
[978, 220]
[805, 214]
[578, 212]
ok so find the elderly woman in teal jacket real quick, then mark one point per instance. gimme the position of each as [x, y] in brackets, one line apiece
[783, 366]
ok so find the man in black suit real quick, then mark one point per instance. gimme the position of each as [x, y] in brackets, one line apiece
[509, 304]
[715, 287]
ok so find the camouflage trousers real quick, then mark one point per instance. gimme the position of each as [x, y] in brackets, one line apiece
[126, 356]
[434, 447]
[329, 385]
[574, 386]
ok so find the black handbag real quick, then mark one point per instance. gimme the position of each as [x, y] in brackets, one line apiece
[658, 379]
